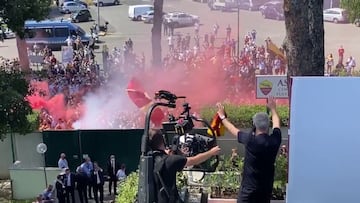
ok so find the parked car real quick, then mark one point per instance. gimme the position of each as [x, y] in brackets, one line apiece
[136, 11]
[223, 5]
[181, 19]
[77, 1]
[357, 22]
[273, 12]
[81, 16]
[270, 3]
[251, 5]
[106, 2]
[71, 7]
[336, 15]
[147, 15]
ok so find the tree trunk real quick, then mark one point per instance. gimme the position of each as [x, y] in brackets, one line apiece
[156, 33]
[304, 42]
[23, 54]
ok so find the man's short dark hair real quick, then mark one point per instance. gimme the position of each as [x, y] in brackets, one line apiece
[156, 138]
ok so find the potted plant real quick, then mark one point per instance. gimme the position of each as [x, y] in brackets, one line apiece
[223, 184]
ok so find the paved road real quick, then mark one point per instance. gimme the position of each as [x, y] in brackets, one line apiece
[121, 28]
[335, 34]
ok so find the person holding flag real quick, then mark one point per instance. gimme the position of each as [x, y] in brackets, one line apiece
[261, 149]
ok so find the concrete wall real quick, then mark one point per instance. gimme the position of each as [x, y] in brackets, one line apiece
[35, 178]
[24, 151]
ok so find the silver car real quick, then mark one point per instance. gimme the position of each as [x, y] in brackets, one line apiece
[71, 6]
[336, 15]
[181, 19]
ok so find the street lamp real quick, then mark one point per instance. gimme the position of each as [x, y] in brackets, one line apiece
[98, 17]
[238, 28]
[41, 149]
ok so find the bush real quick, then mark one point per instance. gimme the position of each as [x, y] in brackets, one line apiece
[128, 189]
[241, 116]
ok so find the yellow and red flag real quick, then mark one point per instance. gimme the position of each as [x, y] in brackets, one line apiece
[142, 100]
[217, 126]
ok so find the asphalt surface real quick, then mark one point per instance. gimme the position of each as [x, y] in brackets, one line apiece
[121, 28]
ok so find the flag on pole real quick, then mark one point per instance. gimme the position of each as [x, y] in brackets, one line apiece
[142, 100]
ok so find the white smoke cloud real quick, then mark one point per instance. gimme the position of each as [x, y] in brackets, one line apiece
[104, 107]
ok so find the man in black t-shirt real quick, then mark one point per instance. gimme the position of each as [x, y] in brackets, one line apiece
[171, 165]
[260, 154]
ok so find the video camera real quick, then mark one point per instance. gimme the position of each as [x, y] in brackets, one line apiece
[180, 137]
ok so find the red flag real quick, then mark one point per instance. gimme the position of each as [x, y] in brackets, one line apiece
[142, 100]
[217, 126]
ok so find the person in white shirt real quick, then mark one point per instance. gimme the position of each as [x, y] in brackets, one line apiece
[62, 163]
[121, 174]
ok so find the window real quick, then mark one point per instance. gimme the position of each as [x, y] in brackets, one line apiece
[29, 33]
[61, 32]
[44, 32]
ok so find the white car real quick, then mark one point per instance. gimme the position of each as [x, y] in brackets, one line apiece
[181, 19]
[71, 6]
[336, 15]
[106, 2]
[147, 15]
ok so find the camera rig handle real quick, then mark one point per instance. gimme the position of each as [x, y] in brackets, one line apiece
[145, 137]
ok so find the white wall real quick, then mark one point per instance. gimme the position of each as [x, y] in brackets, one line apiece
[324, 161]
[25, 151]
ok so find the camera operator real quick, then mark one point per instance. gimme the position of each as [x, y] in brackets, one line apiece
[170, 164]
[260, 154]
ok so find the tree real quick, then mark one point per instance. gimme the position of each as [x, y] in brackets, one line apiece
[304, 42]
[14, 109]
[353, 7]
[156, 33]
[16, 12]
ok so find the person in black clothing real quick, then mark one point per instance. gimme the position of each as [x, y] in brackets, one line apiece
[260, 154]
[112, 168]
[69, 182]
[60, 189]
[171, 164]
[81, 184]
[97, 177]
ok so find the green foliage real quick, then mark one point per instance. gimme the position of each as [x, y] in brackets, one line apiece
[16, 12]
[353, 7]
[280, 178]
[225, 181]
[241, 116]
[127, 189]
[15, 112]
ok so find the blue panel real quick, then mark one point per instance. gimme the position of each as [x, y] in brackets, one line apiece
[324, 149]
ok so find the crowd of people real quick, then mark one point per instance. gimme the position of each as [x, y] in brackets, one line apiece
[65, 84]
[88, 180]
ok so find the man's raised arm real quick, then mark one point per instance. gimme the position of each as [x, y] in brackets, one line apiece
[271, 104]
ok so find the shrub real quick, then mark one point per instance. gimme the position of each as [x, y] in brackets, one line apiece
[128, 189]
[241, 116]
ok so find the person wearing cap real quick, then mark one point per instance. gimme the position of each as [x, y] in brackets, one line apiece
[261, 149]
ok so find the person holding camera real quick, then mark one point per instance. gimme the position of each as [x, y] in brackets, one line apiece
[261, 149]
[167, 164]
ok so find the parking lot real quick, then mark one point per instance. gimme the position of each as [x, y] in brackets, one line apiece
[122, 28]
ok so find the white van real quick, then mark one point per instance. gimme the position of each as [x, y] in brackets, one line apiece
[136, 11]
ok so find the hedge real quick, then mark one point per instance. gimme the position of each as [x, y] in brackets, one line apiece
[241, 115]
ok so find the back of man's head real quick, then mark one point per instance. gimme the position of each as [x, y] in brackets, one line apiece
[261, 121]
[156, 139]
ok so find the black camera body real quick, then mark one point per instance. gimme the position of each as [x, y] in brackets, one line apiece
[180, 137]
